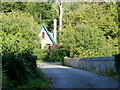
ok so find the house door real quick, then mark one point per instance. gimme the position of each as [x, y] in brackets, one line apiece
[49, 46]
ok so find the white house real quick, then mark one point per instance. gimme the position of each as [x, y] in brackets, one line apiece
[46, 38]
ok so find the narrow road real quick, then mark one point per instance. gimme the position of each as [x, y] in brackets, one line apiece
[66, 77]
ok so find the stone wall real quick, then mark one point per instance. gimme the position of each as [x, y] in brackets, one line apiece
[100, 64]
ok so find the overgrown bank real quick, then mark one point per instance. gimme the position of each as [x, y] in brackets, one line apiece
[39, 82]
[19, 40]
[23, 73]
[20, 21]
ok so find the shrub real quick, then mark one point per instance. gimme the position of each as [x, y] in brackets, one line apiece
[40, 54]
[18, 68]
[91, 31]
[85, 41]
[19, 33]
[117, 63]
[18, 39]
[56, 55]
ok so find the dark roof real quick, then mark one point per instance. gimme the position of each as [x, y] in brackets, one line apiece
[48, 33]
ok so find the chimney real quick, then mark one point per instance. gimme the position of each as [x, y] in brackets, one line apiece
[55, 30]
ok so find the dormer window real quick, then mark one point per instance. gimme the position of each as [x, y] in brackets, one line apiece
[43, 35]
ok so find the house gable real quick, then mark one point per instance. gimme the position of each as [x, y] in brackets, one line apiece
[47, 33]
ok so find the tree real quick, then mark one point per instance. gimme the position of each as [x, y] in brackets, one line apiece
[102, 17]
[19, 38]
[13, 6]
[42, 12]
[85, 41]
[18, 32]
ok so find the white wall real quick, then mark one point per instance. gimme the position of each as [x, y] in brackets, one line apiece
[45, 40]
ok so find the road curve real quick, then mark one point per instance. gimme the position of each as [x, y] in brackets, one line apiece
[66, 77]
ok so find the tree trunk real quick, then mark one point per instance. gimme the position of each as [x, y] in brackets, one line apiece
[60, 16]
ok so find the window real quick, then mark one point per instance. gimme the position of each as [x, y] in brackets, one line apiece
[40, 46]
[43, 35]
[49, 46]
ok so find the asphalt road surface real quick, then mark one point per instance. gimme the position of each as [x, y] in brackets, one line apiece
[66, 77]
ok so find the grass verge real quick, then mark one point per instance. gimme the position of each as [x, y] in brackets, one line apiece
[112, 74]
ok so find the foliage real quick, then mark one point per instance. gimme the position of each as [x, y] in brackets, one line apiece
[13, 6]
[85, 41]
[117, 59]
[117, 63]
[111, 74]
[17, 69]
[39, 53]
[55, 55]
[42, 12]
[41, 81]
[18, 40]
[18, 33]
[102, 16]
[91, 30]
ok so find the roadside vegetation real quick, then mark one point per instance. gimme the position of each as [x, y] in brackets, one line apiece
[19, 33]
[112, 74]
[41, 81]
[19, 42]
[89, 30]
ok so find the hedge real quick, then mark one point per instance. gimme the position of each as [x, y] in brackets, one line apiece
[56, 55]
